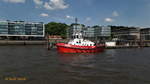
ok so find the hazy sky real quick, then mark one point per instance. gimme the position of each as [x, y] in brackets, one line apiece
[89, 12]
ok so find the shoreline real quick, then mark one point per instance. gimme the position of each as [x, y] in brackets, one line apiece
[44, 42]
[22, 42]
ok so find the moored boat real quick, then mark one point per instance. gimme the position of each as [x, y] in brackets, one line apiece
[79, 45]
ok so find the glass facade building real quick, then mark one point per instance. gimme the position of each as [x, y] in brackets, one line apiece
[89, 32]
[100, 32]
[105, 31]
[4, 27]
[73, 29]
[21, 28]
[145, 34]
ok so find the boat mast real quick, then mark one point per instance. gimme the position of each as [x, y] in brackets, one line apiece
[78, 32]
[76, 23]
[75, 32]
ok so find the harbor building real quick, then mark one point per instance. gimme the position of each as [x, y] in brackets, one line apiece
[145, 34]
[97, 33]
[125, 33]
[74, 28]
[3, 28]
[17, 29]
[89, 33]
[103, 32]
[92, 33]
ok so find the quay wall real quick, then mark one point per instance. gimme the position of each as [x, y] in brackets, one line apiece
[131, 44]
[51, 43]
[22, 42]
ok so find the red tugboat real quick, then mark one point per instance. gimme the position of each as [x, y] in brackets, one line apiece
[79, 45]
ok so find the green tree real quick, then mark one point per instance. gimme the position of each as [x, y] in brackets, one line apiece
[54, 28]
[77, 24]
[95, 26]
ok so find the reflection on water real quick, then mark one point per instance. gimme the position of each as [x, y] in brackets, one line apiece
[87, 58]
[113, 66]
[39, 66]
[91, 68]
[77, 59]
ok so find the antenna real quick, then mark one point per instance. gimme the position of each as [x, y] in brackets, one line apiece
[76, 22]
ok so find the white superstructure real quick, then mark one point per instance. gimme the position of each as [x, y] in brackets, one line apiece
[78, 40]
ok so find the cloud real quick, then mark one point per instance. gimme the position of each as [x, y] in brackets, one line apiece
[55, 5]
[49, 5]
[38, 2]
[112, 17]
[44, 15]
[88, 19]
[69, 17]
[115, 14]
[109, 20]
[15, 1]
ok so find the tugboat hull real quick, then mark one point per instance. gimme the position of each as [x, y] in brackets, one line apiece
[66, 48]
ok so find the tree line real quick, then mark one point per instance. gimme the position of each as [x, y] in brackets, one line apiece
[55, 28]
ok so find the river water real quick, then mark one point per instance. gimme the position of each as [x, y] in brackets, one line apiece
[40, 66]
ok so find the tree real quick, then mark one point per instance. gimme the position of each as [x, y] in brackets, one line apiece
[95, 26]
[77, 24]
[54, 28]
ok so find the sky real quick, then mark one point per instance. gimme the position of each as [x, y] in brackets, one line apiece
[89, 12]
